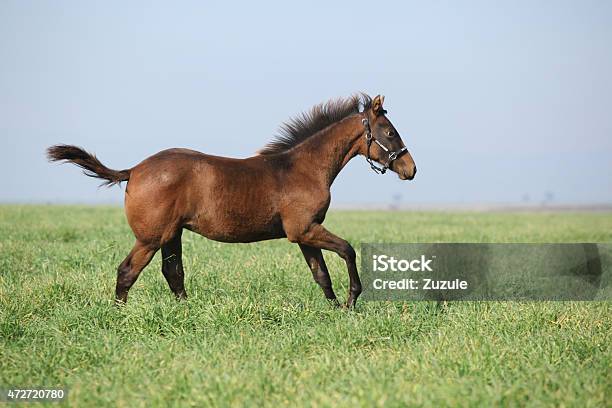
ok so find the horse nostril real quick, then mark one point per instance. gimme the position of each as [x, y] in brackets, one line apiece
[414, 171]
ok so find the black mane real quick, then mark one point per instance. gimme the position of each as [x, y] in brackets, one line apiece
[305, 125]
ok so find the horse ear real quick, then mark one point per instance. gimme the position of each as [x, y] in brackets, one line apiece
[377, 105]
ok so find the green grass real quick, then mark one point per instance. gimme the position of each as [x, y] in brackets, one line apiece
[257, 331]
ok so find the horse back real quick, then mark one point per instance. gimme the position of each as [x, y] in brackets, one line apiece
[225, 199]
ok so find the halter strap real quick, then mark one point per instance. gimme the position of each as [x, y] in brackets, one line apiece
[392, 154]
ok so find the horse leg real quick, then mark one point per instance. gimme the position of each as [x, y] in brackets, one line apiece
[130, 268]
[172, 266]
[314, 259]
[317, 236]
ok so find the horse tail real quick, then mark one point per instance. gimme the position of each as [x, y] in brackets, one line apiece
[90, 164]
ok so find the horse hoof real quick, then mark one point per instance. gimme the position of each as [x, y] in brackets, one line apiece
[334, 303]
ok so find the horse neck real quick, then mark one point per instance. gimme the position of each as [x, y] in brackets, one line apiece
[325, 154]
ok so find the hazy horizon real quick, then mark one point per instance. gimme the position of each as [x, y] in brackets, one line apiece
[498, 103]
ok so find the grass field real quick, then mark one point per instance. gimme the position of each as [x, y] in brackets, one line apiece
[257, 331]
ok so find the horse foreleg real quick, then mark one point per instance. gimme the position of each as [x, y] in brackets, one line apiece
[314, 259]
[317, 236]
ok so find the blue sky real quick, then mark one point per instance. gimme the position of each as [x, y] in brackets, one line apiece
[498, 102]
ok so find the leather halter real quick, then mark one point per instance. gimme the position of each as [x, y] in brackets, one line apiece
[392, 154]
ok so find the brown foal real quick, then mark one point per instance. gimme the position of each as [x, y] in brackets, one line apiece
[283, 191]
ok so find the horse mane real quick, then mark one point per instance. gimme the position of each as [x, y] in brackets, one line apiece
[300, 128]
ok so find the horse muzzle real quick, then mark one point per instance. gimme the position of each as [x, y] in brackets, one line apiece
[407, 175]
[405, 167]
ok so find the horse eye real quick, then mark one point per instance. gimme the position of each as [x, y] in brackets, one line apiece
[390, 133]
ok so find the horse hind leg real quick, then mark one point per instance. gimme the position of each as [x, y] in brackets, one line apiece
[129, 270]
[172, 266]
